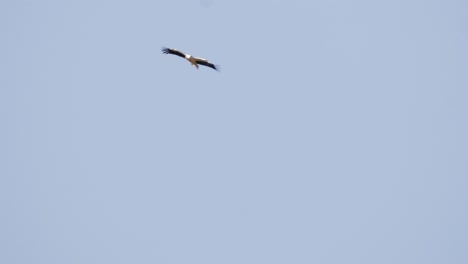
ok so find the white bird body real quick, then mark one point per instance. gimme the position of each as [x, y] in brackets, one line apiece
[192, 60]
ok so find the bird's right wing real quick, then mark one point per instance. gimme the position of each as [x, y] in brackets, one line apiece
[173, 52]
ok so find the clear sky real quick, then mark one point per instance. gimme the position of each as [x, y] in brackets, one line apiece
[336, 132]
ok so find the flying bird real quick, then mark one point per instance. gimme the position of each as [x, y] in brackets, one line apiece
[193, 60]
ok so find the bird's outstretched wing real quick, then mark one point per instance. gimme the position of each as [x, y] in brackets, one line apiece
[207, 63]
[173, 52]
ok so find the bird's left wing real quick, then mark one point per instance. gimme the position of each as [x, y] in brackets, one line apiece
[207, 63]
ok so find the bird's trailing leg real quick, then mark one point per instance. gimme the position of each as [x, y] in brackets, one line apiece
[194, 64]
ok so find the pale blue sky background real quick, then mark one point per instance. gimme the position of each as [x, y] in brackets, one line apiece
[336, 132]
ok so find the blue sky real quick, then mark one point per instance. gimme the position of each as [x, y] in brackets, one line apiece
[336, 132]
